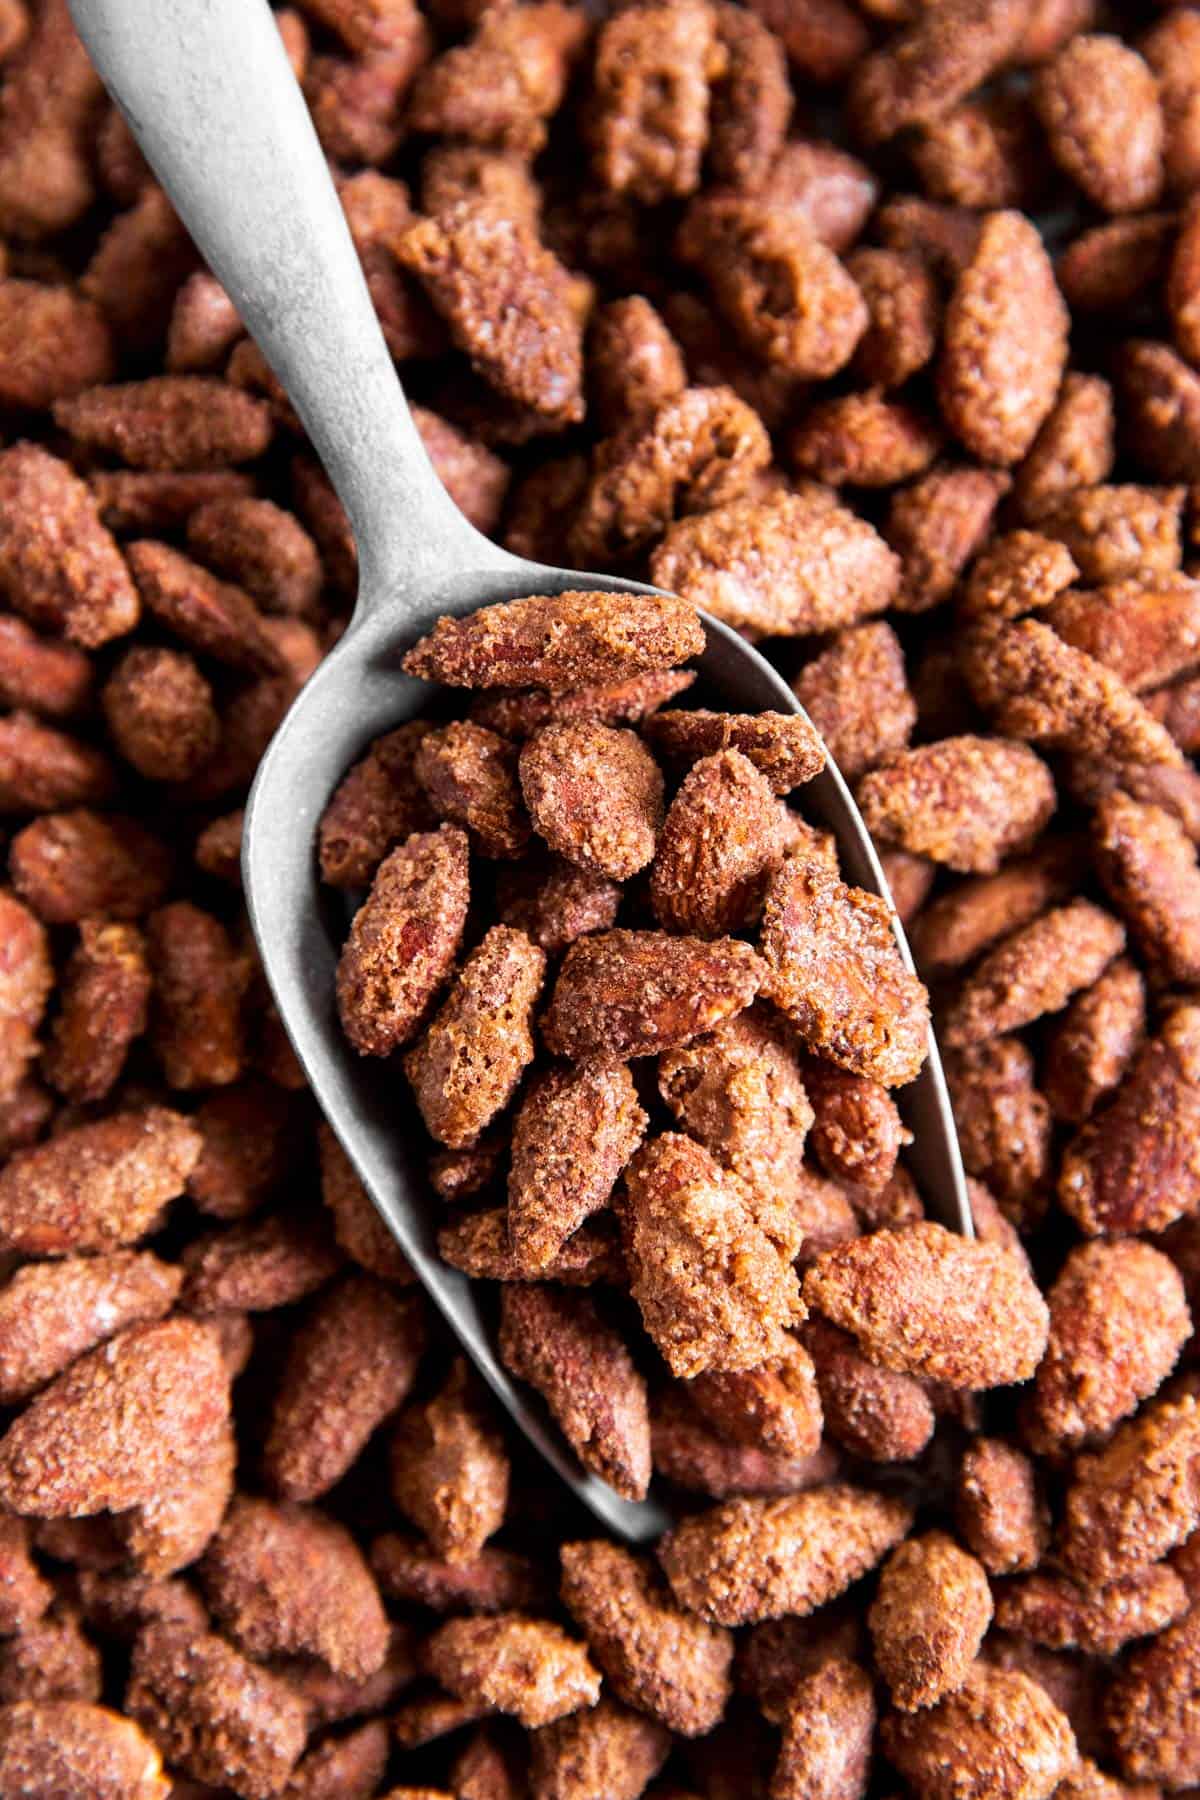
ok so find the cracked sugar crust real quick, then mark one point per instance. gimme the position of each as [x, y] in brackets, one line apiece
[714, 1291]
[837, 974]
[753, 1559]
[924, 1301]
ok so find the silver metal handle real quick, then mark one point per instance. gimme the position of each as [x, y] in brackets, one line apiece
[211, 98]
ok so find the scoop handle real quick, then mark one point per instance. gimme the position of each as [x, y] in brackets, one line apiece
[210, 96]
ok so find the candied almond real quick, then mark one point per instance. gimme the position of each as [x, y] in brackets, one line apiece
[528, 345]
[112, 1430]
[856, 694]
[1040, 688]
[286, 1580]
[1148, 867]
[1130, 1168]
[469, 779]
[863, 440]
[495, 1580]
[828, 1732]
[654, 1655]
[722, 838]
[1050, 1609]
[594, 793]
[375, 806]
[1098, 102]
[689, 1453]
[782, 746]
[563, 1346]
[1150, 1709]
[738, 1090]
[1090, 1048]
[52, 1312]
[936, 525]
[73, 1747]
[1132, 1501]
[528, 1667]
[873, 1413]
[1118, 1321]
[775, 1406]
[714, 1291]
[785, 292]
[836, 972]
[1004, 1124]
[96, 1186]
[924, 1301]
[965, 801]
[350, 1364]
[1074, 448]
[698, 451]
[648, 123]
[999, 1725]
[1033, 972]
[1004, 343]
[933, 63]
[168, 422]
[753, 1559]
[466, 1067]
[212, 617]
[605, 1749]
[449, 1469]
[928, 1619]
[403, 940]
[558, 641]
[622, 994]
[573, 1134]
[522, 711]
[998, 1508]
[1017, 573]
[61, 567]
[786, 565]
[856, 1133]
[974, 914]
[217, 1715]
[904, 308]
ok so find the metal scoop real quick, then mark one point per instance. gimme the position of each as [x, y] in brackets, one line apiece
[208, 92]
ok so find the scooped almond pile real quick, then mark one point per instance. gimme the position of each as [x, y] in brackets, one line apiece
[753, 301]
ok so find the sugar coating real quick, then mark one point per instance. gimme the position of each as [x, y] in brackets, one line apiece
[1016, 1741]
[557, 641]
[753, 1559]
[713, 1289]
[466, 1067]
[654, 1655]
[573, 1134]
[562, 1343]
[923, 1301]
[528, 1667]
[928, 1619]
[450, 1470]
[837, 974]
